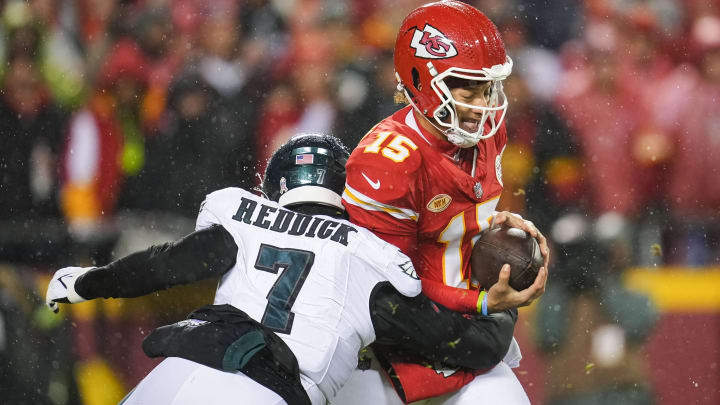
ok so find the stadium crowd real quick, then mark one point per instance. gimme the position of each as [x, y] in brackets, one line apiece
[117, 117]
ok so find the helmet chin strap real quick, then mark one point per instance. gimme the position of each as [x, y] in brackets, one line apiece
[451, 134]
[456, 139]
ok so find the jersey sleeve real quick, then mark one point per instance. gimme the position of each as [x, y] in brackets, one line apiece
[388, 261]
[219, 207]
[401, 274]
[382, 185]
[209, 252]
[456, 299]
[207, 217]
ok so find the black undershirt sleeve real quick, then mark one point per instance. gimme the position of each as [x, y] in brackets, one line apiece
[417, 326]
[203, 254]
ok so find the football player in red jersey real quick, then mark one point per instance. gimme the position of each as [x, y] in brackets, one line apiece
[428, 179]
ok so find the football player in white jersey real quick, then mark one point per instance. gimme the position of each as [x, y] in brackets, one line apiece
[324, 286]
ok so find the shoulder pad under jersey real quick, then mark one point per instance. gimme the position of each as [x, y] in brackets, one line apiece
[217, 202]
[384, 166]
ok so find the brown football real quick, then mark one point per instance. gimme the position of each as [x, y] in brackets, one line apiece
[513, 246]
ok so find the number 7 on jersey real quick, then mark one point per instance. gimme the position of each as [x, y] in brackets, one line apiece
[295, 265]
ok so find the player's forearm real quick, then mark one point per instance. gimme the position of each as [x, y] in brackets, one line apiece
[484, 341]
[436, 333]
[476, 342]
[202, 254]
[456, 299]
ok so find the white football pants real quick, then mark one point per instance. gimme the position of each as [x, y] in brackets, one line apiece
[177, 381]
[497, 386]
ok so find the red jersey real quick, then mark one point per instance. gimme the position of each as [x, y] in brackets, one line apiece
[428, 197]
[431, 199]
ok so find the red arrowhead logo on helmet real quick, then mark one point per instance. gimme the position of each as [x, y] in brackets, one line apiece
[430, 43]
[451, 39]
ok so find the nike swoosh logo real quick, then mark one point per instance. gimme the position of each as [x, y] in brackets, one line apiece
[373, 184]
[62, 277]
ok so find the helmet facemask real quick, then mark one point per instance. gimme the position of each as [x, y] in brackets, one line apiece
[446, 117]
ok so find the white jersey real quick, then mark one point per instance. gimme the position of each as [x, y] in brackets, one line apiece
[308, 278]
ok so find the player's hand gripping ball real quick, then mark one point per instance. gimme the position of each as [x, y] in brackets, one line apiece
[505, 245]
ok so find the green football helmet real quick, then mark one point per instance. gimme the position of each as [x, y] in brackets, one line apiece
[307, 169]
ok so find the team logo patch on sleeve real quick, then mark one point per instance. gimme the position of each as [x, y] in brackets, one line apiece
[409, 269]
[430, 43]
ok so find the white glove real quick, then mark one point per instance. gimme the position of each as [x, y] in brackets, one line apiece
[62, 287]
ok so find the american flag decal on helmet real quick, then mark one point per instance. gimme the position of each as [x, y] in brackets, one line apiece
[304, 159]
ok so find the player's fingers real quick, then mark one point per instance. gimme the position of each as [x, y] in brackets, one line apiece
[545, 251]
[541, 281]
[542, 241]
[516, 221]
[526, 296]
[499, 218]
[504, 276]
[529, 227]
[536, 289]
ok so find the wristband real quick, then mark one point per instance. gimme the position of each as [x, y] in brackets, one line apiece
[482, 303]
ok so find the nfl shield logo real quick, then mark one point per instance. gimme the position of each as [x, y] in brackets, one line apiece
[283, 185]
[477, 188]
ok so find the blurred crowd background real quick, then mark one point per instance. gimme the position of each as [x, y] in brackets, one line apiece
[117, 117]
